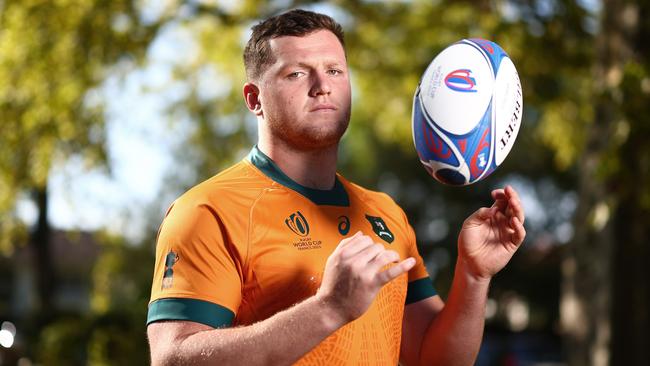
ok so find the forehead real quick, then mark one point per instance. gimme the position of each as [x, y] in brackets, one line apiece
[319, 45]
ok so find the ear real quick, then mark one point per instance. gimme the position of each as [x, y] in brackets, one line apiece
[252, 98]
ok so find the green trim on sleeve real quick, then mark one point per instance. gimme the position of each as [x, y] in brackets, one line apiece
[419, 290]
[199, 311]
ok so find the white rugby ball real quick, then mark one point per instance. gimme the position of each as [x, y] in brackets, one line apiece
[467, 112]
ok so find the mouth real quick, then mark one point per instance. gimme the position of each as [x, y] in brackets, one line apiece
[324, 108]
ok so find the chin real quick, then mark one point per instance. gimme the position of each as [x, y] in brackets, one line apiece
[330, 136]
[319, 139]
[318, 143]
[314, 134]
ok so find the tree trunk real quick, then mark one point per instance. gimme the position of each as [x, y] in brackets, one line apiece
[606, 290]
[631, 293]
[586, 303]
[631, 321]
[40, 241]
[586, 297]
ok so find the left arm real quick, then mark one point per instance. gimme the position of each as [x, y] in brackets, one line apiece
[435, 333]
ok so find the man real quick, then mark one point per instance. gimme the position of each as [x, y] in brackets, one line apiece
[280, 260]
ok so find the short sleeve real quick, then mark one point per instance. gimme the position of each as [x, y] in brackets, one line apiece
[197, 271]
[420, 285]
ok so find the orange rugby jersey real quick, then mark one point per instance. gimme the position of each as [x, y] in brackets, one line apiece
[250, 242]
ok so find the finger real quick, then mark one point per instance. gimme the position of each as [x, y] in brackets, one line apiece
[382, 259]
[515, 209]
[514, 204]
[519, 231]
[395, 271]
[497, 193]
[369, 253]
[345, 242]
[502, 219]
[511, 192]
[356, 245]
[349, 239]
[503, 223]
[500, 199]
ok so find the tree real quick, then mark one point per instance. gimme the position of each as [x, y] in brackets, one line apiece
[631, 182]
[594, 124]
[52, 55]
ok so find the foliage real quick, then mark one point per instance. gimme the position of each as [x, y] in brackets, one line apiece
[112, 332]
[114, 338]
[52, 55]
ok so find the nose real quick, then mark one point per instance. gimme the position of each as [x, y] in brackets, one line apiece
[320, 84]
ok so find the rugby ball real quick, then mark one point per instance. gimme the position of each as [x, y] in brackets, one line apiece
[467, 112]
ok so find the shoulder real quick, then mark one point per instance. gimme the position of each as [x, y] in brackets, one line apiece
[370, 197]
[215, 209]
[235, 187]
[376, 203]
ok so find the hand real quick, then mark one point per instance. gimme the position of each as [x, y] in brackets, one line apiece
[353, 275]
[490, 236]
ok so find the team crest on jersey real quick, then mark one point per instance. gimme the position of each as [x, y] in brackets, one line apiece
[380, 228]
[168, 276]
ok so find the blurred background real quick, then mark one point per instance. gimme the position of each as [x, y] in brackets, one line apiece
[110, 109]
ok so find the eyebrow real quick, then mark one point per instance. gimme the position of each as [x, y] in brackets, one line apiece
[307, 65]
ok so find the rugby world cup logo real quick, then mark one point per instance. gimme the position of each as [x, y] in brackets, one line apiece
[461, 80]
[297, 223]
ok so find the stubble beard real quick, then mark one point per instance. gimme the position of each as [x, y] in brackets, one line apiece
[310, 136]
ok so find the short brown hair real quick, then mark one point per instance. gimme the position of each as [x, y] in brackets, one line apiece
[297, 22]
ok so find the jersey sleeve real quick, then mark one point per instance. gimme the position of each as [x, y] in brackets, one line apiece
[420, 285]
[197, 271]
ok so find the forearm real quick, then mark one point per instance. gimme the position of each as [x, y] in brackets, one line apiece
[279, 340]
[454, 336]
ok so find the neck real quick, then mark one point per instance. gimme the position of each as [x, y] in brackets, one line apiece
[313, 168]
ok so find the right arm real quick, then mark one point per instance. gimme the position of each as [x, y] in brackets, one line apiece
[280, 339]
[353, 277]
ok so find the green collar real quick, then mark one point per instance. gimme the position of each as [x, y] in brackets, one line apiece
[336, 196]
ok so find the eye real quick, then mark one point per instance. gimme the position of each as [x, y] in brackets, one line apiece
[295, 74]
[334, 72]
